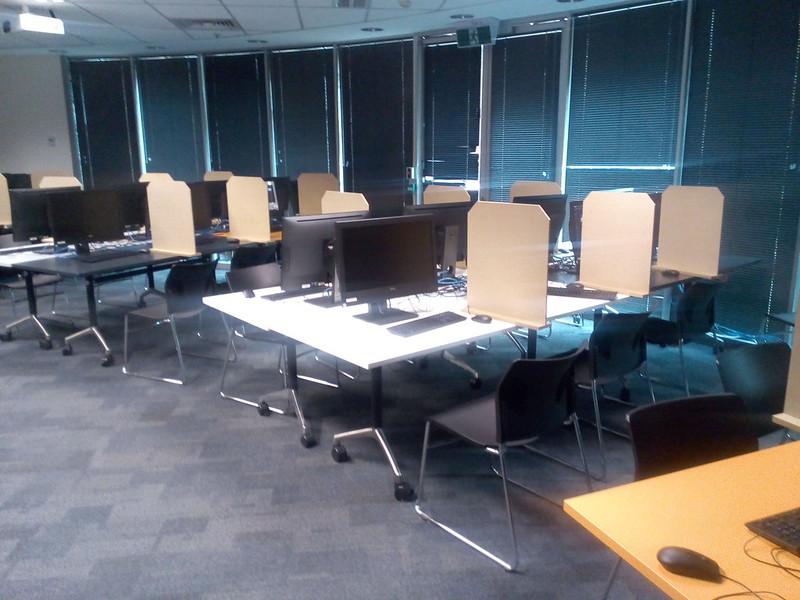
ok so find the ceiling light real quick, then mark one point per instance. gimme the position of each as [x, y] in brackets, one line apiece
[372, 29]
[30, 22]
[462, 16]
[257, 41]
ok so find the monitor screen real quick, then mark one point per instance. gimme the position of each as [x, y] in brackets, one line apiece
[132, 198]
[17, 181]
[450, 222]
[555, 206]
[209, 203]
[29, 213]
[306, 257]
[83, 216]
[384, 258]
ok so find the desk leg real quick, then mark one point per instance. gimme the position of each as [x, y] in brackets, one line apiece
[46, 343]
[307, 437]
[532, 337]
[91, 302]
[403, 491]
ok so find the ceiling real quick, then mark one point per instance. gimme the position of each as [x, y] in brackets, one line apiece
[147, 27]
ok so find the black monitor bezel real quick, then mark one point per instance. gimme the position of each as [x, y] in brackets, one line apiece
[555, 207]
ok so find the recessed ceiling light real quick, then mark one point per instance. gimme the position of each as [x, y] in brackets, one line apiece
[465, 16]
[372, 29]
[256, 41]
[156, 47]
[565, 1]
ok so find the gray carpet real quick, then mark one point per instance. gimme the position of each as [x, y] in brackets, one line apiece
[120, 487]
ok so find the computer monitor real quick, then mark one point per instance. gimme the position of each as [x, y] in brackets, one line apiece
[306, 253]
[81, 217]
[132, 198]
[209, 203]
[30, 220]
[450, 222]
[18, 181]
[555, 206]
[384, 258]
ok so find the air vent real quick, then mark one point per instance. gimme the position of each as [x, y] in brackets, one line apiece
[207, 24]
[349, 3]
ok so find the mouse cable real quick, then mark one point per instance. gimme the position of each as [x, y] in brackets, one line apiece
[749, 592]
[775, 552]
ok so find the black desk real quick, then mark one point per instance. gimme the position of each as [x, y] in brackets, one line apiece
[145, 263]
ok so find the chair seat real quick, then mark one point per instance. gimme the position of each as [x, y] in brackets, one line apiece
[475, 421]
[19, 284]
[158, 311]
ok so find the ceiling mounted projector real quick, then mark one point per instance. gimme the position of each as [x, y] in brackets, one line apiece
[30, 22]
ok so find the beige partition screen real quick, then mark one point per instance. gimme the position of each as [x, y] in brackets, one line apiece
[443, 194]
[334, 202]
[248, 208]
[508, 253]
[690, 230]
[155, 177]
[310, 189]
[5, 202]
[169, 204]
[217, 175]
[534, 188]
[37, 176]
[617, 242]
[54, 181]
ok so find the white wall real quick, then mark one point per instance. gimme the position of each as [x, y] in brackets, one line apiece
[34, 129]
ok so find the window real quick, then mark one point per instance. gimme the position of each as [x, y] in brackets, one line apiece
[105, 119]
[524, 131]
[624, 99]
[169, 93]
[742, 136]
[303, 87]
[236, 100]
[377, 90]
[452, 113]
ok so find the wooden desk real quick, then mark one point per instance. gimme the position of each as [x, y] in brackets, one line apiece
[704, 509]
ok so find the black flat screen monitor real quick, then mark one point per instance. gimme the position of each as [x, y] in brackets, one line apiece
[17, 181]
[384, 258]
[30, 219]
[306, 256]
[555, 206]
[450, 222]
[82, 217]
[209, 203]
[132, 198]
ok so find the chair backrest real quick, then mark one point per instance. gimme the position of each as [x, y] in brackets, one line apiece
[617, 345]
[255, 277]
[758, 373]
[534, 396]
[187, 283]
[694, 312]
[250, 256]
[687, 432]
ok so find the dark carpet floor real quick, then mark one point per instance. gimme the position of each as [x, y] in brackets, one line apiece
[119, 487]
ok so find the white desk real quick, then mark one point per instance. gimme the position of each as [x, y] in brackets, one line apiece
[335, 331]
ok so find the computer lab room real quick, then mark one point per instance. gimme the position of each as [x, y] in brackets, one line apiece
[442, 299]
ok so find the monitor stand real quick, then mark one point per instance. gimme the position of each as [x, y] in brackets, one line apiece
[380, 313]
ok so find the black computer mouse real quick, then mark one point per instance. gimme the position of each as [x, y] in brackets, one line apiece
[574, 288]
[482, 319]
[670, 272]
[248, 293]
[689, 563]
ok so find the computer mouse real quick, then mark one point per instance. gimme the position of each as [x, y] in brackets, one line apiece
[574, 288]
[671, 272]
[231, 240]
[482, 319]
[689, 563]
[248, 293]
[144, 250]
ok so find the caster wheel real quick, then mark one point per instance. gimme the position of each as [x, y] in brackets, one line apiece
[67, 350]
[46, 344]
[107, 361]
[6, 337]
[307, 440]
[403, 492]
[471, 349]
[339, 453]
[263, 409]
[476, 383]
[140, 303]
[625, 395]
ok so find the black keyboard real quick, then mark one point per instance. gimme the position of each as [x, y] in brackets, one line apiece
[782, 529]
[424, 324]
[109, 254]
[204, 239]
[589, 293]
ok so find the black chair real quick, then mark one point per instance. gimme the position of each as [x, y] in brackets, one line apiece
[617, 348]
[758, 373]
[694, 317]
[184, 288]
[531, 400]
[684, 433]
[251, 256]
